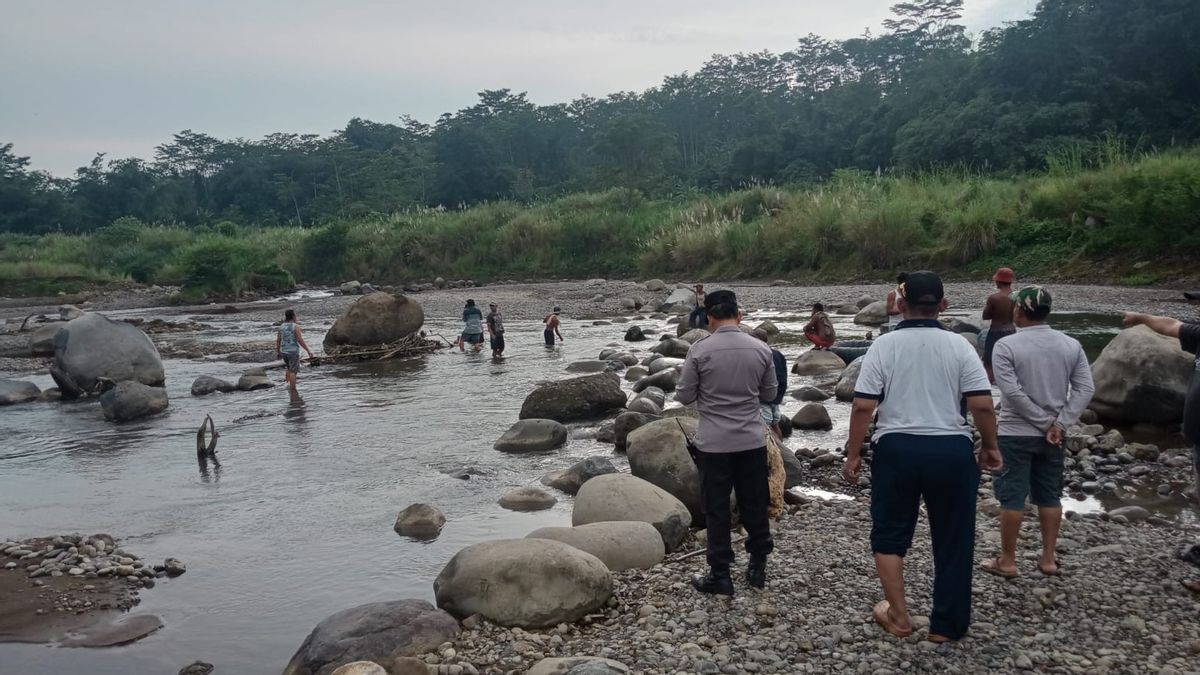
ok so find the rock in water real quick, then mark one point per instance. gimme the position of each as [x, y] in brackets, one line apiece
[694, 335]
[810, 394]
[672, 347]
[634, 334]
[205, 385]
[874, 314]
[254, 381]
[681, 297]
[812, 416]
[18, 391]
[94, 347]
[132, 400]
[530, 583]
[622, 497]
[658, 454]
[864, 300]
[527, 499]
[196, 668]
[579, 665]
[376, 319]
[41, 342]
[1142, 376]
[664, 380]
[818, 362]
[576, 399]
[644, 405]
[380, 631]
[420, 521]
[621, 545]
[636, 373]
[589, 366]
[569, 480]
[532, 435]
[768, 327]
[845, 386]
[628, 422]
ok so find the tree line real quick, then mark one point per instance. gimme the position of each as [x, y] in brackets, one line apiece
[920, 94]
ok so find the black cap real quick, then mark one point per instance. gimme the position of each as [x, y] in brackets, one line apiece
[720, 298]
[923, 289]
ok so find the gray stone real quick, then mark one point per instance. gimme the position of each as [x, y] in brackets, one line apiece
[655, 285]
[254, 382]
[420, 521]
[132, 400]
[683, 298]
[569, 480]
[636, 373]
[380, 632]
[588, 367]
[658, 454]
[41, 341]
[1132, 513]
[576, 399]
[653, 394]
[634, 334]
[628, 422]
[532, 435]
[694, 335]
[18, 391]
[792, 467]
[665, 380]
[578, 665]
[644, 405]
[361, 668]
[844, 391]
[527, 498]
[624, 497]
[810, 394]
[205, 385]
[818, 362]
[863, 301]
[94, 348]
[812, 416]
[664, 363]
[672, 347]
[376, 319]
[874, 314]
[530, 583]
[620, 545]
[1142, 376]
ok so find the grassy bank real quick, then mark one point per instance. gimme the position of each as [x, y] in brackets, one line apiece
[1086, 218]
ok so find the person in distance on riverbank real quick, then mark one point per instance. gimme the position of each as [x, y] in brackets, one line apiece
[999, 310]
[916, 378]
[893, 306]
[472, 327]
[289, 339]
[495, 326]
[770, 411]
[1188, 335]
[552, 322]
[819, 329]
[1045, 383]
[728, 375]
[698, 318]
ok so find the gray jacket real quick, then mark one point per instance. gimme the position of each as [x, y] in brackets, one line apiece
[728, 375]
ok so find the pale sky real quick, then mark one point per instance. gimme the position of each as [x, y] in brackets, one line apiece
[79, 77]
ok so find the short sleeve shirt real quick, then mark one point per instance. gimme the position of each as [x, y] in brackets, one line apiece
[1189, 340]
[920, 374]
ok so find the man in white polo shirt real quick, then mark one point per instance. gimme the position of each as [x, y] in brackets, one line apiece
[919, 378]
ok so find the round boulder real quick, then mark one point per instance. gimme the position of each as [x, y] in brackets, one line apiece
[665, 380]
[810, 394]
[254, 381]
[132, 400]
[644, 405]
[529, 583]
[654, 394]
[589, 366]
[376, 319]
[694, 335]
[658, 454]
[874, 314]
[818, 362]
[18, 391]
[569, 480]
[360, 668]
[673, 347]
[206, 384]
[576, 399]
[684, 298]
[844, 391]
[94, 347]
[768, 327]
[420, 521]
[41, 342]
[627, 422]
[620, 496]
[620, 545]
[656, 285]
[378, 632]
[864, 300]
[532, 435]
[812, 416]
[578, 665]
[527, 499]
[636, 373]
[664, 363]
[1142, 376]
[634, 334]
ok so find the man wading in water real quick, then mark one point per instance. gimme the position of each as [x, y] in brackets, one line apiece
[917, 377]
[893, 307]
[472, 327]
[729, 375]
[998, 310]
[552, 323]
[288, 341]
[495, 326]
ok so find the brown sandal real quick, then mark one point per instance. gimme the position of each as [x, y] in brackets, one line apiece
[993, 567]
[882, 614]
[1057, 569]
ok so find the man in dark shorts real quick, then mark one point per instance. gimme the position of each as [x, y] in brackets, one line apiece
[916, 378]
[1045, 383]
[552, 322]
[288, 342]
[698, 318]
[999, 310]
[495, 326]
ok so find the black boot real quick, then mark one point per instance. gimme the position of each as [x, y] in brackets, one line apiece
[756, 572]
[716, 582]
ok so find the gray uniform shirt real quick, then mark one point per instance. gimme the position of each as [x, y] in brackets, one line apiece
[728, 375]
[1043, 377]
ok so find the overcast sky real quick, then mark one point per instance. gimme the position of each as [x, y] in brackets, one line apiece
[79, 77]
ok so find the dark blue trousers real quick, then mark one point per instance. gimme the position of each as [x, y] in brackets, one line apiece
[941, 470]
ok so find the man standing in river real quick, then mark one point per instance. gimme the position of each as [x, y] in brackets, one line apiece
[495, 326]
[893, 306]
[729, 375]
[552, 322]
[916, 378]
[1045, 383]
[999, 310]
[288, 342]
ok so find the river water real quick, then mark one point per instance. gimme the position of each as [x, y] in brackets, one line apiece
[297, 523]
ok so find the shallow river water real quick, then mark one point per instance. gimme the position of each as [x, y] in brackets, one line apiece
[297, 523]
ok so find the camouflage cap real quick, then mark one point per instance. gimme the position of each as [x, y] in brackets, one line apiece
[1032, 299]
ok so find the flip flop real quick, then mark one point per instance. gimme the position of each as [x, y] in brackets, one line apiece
[937, 639]
[885, 620]
[993, 567]
[1057, 569]
[1193, 586]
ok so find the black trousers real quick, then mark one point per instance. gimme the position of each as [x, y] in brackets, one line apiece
[746, 474]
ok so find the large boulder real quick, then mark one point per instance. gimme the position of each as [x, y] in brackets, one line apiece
[532, 435]
[680, 297]
[376, 319]
[132, 400]
[420, 521]
[844, 391]
[636, 373]
[578, 665]
[378, 632]
[620, 496]
[653, 394]
[94, 348]
[658, 454]
[41, 342]
[572, 478]
[874, 314]
[18, 391]
[673, 347]
[621, 545]
[664, 363]
[812, 416]
[1142, 376]
[793, 468]
[527, 498]
[644, 405]
[864, 300]
[634, 334]
[818, 362]
[665, 380]
[256, 380]
[576, 399]
[628, 422]
[206, 384]
[530, 583]
[656, 285]
[694, 335]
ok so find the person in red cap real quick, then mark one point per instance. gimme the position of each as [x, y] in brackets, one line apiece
[998, 310]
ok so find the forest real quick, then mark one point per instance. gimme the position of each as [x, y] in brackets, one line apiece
[1101, 88]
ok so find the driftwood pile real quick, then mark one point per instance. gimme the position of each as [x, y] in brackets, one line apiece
[413, 345]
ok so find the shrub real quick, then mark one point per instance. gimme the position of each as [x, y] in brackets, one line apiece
[216, 267]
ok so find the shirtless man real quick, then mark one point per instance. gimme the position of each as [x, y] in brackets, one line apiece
[552, 323]
[895, 316]
[998, 310]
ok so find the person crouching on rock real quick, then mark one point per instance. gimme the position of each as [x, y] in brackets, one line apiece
[288, 342]
[728, 375]
[819, 329]
[472, 327]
